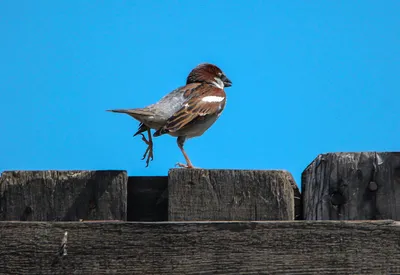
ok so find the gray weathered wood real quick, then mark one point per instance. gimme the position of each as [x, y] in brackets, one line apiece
[296, 247]
[197, 194]
[148, 198]
[298, 205]
[352, 186]
[63, 195]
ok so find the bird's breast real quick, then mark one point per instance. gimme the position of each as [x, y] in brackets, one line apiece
[198, 127]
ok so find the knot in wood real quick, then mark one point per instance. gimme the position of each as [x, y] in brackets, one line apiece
[337, 198]
[373, 186]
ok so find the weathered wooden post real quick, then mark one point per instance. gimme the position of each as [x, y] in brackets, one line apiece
[244, 195]
[352, 186]
[63, 195]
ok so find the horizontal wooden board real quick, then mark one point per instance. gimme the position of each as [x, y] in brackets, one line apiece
[291, 247]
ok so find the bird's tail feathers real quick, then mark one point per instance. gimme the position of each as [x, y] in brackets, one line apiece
[142, 128]
[133, 112]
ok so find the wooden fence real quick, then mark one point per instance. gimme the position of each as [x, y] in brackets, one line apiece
[196, 221]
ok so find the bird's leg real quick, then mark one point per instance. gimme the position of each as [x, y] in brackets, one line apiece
[181, 141]
[149, 150]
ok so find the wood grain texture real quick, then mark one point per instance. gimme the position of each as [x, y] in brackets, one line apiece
[245, 195]
[295, 247]
[352, 186]
[147, 199]
[298, 204]
[63, 195]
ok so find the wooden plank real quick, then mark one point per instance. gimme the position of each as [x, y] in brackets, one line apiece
[148, 198]
[63, 195]
[197, 194]
[352, 186]
[295, 247]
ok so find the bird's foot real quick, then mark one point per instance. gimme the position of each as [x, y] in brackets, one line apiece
[185, 165]
[149, 151]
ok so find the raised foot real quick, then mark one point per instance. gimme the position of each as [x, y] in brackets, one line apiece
[149, 150]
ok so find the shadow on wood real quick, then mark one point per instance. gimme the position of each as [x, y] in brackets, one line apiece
[147, 198]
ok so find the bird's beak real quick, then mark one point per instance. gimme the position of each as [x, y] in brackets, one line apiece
[226, 81]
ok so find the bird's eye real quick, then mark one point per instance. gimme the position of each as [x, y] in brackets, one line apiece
[219, 74]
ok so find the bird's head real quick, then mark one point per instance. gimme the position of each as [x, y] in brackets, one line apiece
[210, 74]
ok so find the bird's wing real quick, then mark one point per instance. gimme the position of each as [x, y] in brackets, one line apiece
[202, 101]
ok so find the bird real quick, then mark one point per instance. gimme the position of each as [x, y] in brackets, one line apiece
[185, 112]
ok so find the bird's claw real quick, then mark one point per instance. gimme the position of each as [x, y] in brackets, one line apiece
[145, 139]
[148, 152]
[178, 164]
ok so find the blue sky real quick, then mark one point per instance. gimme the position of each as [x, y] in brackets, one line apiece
[309, 77]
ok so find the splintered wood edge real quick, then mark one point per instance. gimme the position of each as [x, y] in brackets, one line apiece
[319, 156]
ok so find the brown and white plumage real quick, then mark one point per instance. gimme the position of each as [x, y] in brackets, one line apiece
[185, 112]
[202, 102]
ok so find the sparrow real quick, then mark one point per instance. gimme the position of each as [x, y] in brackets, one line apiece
[186, 112]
